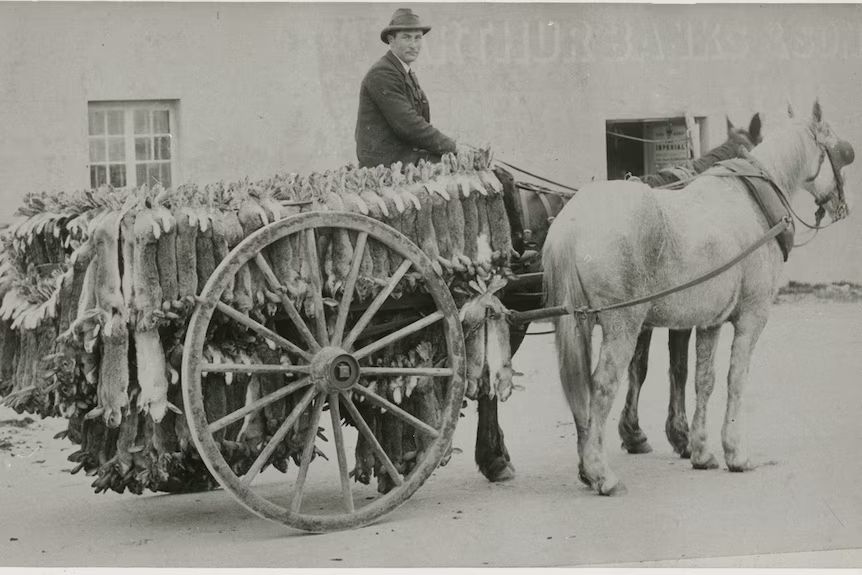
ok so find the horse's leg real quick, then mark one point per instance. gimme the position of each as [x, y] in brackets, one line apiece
[634, 439]
[704, 382]
[574, 350]
[491, 454]
[676, 426]
[746, 332]
[492, 457]
[620, 334]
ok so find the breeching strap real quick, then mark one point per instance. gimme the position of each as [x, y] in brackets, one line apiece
[521, 317]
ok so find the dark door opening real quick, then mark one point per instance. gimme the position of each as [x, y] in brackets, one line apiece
[625, 155]
[640, 147]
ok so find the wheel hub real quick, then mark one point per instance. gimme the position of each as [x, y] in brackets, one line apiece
[333, 369]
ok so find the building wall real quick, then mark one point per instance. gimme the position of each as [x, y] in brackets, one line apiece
[265, 88]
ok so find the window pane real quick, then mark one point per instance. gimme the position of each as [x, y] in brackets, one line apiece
[165, 174]
[97, 122]
[97, 176]
[163, 147]
[116, 149]
[118, 175]
[143, 149]
[141, 174]
[142, 121]
[97, 150]
[152, 174]
[161, 124]
[115, 122]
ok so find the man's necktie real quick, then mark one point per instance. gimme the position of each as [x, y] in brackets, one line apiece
[414, 80]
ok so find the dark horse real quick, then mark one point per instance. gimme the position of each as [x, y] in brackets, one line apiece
[676, 426]
[534, 212]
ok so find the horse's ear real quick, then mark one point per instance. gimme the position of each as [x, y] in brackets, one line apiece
[754, 128]
[816, 112]
[729, 125]
[789, 109]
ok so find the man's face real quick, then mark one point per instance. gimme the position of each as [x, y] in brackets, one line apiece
[406, 45]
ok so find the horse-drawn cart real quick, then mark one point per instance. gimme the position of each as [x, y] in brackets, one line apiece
[194, 336]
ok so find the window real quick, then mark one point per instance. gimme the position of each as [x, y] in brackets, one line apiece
[132, 143]
[641, 147]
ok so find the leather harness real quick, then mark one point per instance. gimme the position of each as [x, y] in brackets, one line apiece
[765, 193]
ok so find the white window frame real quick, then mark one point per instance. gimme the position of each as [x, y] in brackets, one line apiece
[128, 107]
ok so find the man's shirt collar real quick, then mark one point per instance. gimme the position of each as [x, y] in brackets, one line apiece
[403, 63]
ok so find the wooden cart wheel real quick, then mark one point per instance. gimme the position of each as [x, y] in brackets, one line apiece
[331, 371]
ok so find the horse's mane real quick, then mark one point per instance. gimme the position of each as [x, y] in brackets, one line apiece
[729, 149]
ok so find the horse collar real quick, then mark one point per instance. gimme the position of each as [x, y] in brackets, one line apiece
[766, 193]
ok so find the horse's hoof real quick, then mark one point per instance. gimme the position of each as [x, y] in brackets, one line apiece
[582, 475]
[677, 435]
[639, 447]
[681, 447]
[505, 474]
[498, 471]
[740, 467]
[617, 488]
[711, 463]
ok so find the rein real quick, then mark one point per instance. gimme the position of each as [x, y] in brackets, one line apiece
[547, 181]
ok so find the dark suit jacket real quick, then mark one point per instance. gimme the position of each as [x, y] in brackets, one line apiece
[393, 123]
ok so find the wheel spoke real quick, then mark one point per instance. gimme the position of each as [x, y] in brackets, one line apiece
[375, 305]
[278, 436]
[347, 296]
[258, 404]
[375, 445]
[421, 371]
[316, 286]
[398, 335]
[338, 437]
[288, 306]
[307, 452]
[243, 319]
[253, 368]
[397, 411]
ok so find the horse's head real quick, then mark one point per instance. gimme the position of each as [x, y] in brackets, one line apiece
[739, 142]
[832, 154]
[745, 138]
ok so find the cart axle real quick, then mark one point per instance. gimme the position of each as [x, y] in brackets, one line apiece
[333, 369]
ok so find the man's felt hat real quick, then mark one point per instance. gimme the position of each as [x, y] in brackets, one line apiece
[403, 19]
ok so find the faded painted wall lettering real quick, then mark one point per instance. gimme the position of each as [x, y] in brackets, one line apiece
[537, 42]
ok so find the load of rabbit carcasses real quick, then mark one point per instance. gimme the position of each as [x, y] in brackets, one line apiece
[97, 288]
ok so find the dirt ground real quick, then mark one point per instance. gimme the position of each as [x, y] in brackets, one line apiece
[802, 507]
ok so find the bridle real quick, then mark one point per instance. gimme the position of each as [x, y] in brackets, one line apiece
[839, 185]
[821, 202]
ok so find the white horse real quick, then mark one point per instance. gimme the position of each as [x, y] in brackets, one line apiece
[616, 241]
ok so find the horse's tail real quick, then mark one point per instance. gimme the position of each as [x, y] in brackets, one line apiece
[573, 332]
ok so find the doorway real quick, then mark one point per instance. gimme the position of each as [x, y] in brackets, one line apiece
[646, 146]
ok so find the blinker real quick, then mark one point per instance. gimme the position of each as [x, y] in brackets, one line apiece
[844, 154]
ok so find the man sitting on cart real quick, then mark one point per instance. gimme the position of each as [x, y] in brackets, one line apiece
[394, 119]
